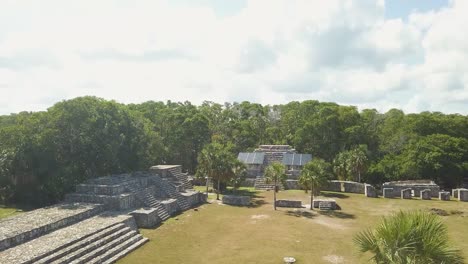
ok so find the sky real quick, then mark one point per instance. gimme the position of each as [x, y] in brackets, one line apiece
[405, 54]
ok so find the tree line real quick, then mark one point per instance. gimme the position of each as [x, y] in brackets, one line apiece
[44, 154]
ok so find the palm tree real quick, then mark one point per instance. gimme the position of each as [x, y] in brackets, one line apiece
[216, 161]
[358, 160]
[314, 175]
[275, 173]
[409, 238]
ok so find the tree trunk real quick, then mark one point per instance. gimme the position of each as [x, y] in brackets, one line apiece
[207, 185]
[311, 197]
[359, 175]
[274, 197]
[217, 191]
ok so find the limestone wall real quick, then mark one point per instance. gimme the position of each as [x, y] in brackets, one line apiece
[292, 185]
[236, 200]
[115, 202]
[344, 186]
[171, 206]
[249, 182]
[415, 186]
[289, 203]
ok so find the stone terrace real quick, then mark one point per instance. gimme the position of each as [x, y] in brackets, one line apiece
[97, 223]
[26, 226]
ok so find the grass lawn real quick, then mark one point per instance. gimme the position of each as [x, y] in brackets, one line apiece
[217, 233]
[8, 211]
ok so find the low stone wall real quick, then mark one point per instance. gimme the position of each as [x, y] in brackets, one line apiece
[415, 186]
[171, 206]
[444, 196]
[406, 194]
[425, 195]
[146, 217]
[344, 186]
[388, 193]
[463, 195]
[289, 203]
[236, 200]
[318, 200]
[369, 191]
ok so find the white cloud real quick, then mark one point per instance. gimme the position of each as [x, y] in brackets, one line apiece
[270, 52]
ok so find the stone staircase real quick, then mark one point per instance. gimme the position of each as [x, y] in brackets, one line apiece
[144, 196]
[168, 188]
[181, 177]
[260, 184]
[101, 239]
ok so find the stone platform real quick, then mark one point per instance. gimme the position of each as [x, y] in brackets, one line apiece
[19, 229]
[82, 242]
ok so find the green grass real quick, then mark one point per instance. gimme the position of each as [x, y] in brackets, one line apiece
[8, 211]
[217, 233]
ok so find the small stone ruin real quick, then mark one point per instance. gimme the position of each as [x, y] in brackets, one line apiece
[237, 200]
[444, 196]
[289, 203]
[426, 194]
[388, 193]
[463, 195]
[369, 191]
[415, 185]
[324, 203]
[99, 222]
[406, 194]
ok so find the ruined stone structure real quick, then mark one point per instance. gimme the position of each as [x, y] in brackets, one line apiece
[387, 193]
[406, 194]
[444, 196]
[236, 200]
[416, 187]
[426, 194]
[98, 223]
[324, 203]
[345, 186]
[369, 191]
[463, 195]
[265, 155]
[289, 203]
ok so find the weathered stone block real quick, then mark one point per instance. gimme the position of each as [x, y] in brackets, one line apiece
[444, 196]
[463, 195]
[289, 203]
[146, 218]
[406, 194]
[425, 194]
[387, 192]
[369, 191]
[318, 200]
[236, 200]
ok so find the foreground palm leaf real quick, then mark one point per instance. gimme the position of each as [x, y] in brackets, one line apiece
[409, 238]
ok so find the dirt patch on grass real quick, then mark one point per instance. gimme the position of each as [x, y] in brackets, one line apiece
[334, 259]
[260, 216]
[330, 223]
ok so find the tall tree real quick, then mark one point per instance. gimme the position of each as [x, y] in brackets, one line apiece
[275, 173]
[316, 174]
[409, 238]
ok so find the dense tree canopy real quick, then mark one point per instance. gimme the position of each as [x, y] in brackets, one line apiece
[43, 154]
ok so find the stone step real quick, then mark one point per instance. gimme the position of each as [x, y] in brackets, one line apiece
[86, 250]
[102, 249]
[124, 252]
[77, 244]
[125, 244]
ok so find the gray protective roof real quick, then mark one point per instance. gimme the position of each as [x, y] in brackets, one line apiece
[251, 157]
[296, 159]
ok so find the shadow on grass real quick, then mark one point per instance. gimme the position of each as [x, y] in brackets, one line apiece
[257, 203]
[243, 192]
[300, 213]
[334, 195]
[336, 214]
